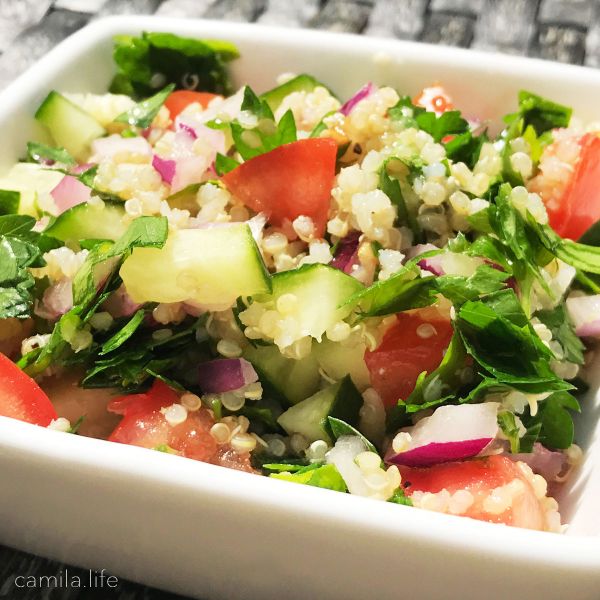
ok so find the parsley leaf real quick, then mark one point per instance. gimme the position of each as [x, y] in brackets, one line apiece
[465, 147]
[267, 135]
[402, 291]
[458, 289]
[119, 338]
[399, 497]
[224, 164]
[498, 335]
[391, 187]
[152, 60]
[563, 331]
[142, 114]
[449, 122]
[339, 428]
[41, 153]
[9, 202]
[542, 114]
[144, 232]
[326, 476]
[533, 121]
[557, 427]
[509, 427]
[20, 248]
[92, 285]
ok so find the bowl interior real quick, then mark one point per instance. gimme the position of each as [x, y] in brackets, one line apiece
[484, 86]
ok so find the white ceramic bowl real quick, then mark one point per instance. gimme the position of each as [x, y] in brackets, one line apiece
[209, 532]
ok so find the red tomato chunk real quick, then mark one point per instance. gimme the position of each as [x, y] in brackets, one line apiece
[292, 180]
[21, 397]
[415, 343]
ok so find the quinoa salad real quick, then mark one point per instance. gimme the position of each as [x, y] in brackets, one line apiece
[377, 295]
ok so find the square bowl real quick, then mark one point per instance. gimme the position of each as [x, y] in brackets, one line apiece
[205, 531]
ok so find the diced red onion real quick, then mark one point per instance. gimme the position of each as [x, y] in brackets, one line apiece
[165, 167]
[69, 192]
[189, 167]
[107, 147]
[120, 304]
[186, 128]
[346, 255]
[433, 264]
[363, 93]
[189, 170]
[225, 375]
[450, 433]
[585, 314]
[550, 464]
[56, 300]
[79, 169]
[420, 249]
[194, 129]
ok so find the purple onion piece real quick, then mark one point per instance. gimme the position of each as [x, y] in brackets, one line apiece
[552, 465]
[188, 129]
[225, 375]
[452, 432]
[165, 167]
[433, 264]
[347, 252]
[434, 453]
[364, 91]
[70, 192]
[79, 169]
[584, 312]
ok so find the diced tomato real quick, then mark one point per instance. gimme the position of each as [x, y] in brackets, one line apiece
[579, 207]
[408, 348]
[292, 180]
[480, 477]
[181, 99]
[21, 397]
[434, 99]
[144, 425]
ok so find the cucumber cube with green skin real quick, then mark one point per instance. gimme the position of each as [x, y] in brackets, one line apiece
[30, 180]
[290, 379]
[211, 266]
[300, 83]
[87, 221]
[319, 290]
[338, 360]
[309, 418]
[71, 127]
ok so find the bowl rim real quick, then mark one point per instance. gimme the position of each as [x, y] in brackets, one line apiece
[577, 552]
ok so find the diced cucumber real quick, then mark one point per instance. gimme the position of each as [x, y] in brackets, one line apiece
[86, 221]
[185, 199]
[309, 418]
[338, 360]
[211, 266]
[30, 180]
[293, 380]
[300, 83]
[70, 126]
[320, 290]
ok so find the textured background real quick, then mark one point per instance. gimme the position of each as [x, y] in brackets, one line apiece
[561, 30]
